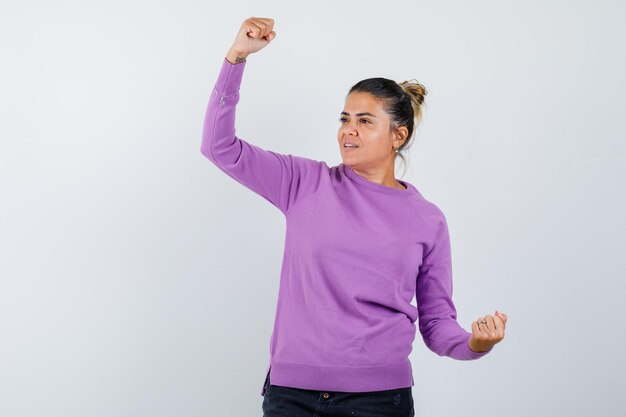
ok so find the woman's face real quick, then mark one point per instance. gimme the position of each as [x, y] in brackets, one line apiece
[364, 123]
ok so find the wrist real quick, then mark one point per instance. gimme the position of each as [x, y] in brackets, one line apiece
[478, 347]
[235, 57]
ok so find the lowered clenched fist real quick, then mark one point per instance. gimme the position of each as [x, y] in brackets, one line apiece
[487, 331]
[254, 34]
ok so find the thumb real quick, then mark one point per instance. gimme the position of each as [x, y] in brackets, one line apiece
[270, 36]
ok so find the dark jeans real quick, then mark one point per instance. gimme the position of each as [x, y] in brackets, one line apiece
[282, 401]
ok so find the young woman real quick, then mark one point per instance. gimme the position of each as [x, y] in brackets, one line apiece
[359, 245]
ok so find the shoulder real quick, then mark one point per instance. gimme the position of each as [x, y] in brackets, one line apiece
[309, 167]
[429, 212]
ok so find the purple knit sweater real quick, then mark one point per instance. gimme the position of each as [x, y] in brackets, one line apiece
[356, 253]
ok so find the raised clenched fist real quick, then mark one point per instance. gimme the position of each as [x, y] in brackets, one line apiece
[254, 34]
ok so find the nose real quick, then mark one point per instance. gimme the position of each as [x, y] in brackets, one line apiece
[349, 128]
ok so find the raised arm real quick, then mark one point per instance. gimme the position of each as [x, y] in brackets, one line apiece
[278, 178]
[436, 310]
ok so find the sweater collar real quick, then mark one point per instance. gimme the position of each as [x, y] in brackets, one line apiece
[374, 186]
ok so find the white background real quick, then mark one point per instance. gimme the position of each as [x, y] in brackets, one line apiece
[137, 279]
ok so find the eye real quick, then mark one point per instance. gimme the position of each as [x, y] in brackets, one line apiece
[343, 119]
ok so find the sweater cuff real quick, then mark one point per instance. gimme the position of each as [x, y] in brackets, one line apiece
[475, 355]
[229, 78]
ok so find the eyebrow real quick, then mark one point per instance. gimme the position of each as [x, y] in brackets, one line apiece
[358, 114]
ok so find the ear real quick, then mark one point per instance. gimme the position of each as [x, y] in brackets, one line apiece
[401, 134]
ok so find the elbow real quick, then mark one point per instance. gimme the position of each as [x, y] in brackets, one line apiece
[205, 149]
[439, 349]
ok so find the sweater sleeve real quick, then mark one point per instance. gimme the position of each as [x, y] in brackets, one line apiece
[437, 314]
[276, 177]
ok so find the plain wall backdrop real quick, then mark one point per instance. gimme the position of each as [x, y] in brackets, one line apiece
[137, 279]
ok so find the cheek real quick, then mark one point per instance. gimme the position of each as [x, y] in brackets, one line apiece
[379, 141]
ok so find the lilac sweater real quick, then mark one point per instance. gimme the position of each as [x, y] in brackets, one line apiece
[356, 253]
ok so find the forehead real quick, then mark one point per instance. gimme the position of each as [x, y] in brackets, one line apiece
[358, 102]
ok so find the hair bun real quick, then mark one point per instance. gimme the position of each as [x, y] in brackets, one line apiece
[415, 90]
